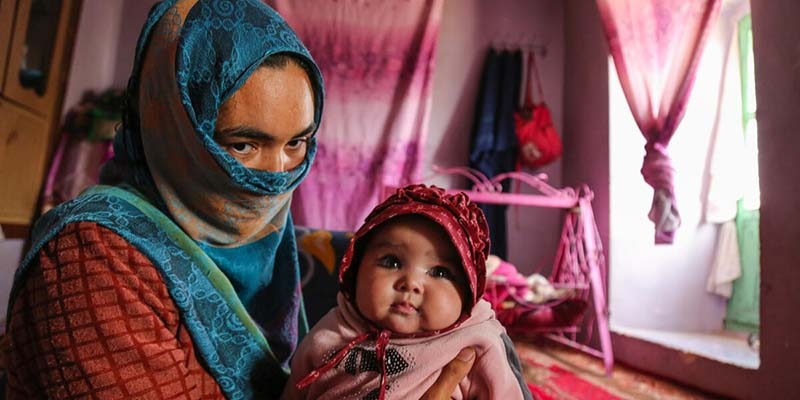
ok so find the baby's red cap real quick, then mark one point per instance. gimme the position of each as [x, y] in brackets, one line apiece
[462, 219]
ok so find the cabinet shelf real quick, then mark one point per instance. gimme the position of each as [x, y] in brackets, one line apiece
[36, 40]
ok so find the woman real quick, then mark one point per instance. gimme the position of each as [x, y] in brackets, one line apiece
[178, 277]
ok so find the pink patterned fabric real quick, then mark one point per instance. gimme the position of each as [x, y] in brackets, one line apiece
[656, 45]
[377, 61]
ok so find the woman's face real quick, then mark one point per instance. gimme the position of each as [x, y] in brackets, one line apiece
[267, 123]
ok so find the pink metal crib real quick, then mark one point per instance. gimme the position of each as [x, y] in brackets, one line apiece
[579, 320]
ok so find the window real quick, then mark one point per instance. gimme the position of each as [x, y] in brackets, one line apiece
[743, 307]
[751, 199]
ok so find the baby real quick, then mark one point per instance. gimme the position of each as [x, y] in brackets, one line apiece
[411, 284]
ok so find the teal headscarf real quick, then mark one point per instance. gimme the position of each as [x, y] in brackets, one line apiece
[221, 234]
[191, 57]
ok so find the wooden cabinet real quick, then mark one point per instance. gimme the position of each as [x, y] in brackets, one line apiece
[7, 8]
[36, 40]
[23, 157]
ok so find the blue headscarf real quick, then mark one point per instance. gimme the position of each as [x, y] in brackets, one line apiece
[192, 55]
[220, 234]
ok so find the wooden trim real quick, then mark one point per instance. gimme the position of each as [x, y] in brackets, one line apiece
[7, 10]
[12, 89]
[16, 231]
[28, 123]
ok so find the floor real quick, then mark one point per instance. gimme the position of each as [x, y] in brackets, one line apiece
[624, 382]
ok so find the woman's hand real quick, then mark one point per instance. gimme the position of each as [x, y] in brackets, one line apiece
[452, 373]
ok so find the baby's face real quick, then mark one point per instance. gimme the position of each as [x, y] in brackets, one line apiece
[410, 277]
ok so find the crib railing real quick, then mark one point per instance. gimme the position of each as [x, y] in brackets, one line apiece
[580, 320]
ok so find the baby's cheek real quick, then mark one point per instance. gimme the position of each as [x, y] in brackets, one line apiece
[445, 308]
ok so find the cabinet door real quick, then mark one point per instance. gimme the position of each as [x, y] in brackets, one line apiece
[7, 8]
[38, 58]
[23, 151]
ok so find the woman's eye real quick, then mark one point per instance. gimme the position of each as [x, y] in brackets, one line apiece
[442, 273]
[242, 148]
[295, 144]
[390, 262]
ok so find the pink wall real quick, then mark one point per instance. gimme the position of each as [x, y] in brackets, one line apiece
[134, 14]
[469, 28]
[585, 130]
[95, 52]
[776, 35]
[104, 46]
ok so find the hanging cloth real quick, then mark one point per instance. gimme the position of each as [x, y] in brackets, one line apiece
[378, 61]
[493, 148]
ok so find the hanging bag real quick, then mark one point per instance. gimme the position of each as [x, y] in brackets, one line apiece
[539, 143]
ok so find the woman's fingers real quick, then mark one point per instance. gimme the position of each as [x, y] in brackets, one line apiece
[451, 375]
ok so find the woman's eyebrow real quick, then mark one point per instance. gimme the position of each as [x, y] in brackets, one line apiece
[309, 129]
[253, 133]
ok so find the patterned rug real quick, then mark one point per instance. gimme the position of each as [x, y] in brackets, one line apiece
[557, 372]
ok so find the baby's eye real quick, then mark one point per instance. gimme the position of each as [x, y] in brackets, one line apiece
[442, 273]
[389, 261]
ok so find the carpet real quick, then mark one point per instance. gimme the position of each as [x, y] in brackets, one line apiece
[557, 372]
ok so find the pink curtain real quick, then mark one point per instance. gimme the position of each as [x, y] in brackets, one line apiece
[656, 46]
[376, 58]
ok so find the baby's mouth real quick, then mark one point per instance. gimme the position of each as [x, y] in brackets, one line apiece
[404, 307]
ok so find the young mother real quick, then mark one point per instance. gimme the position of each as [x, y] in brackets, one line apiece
[178, 276]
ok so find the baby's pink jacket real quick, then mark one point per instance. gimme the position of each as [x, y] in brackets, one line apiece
[412, 364]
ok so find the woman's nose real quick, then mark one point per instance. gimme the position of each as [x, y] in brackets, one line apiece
[273, 162]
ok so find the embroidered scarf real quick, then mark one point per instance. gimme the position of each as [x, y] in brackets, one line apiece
[191, 56]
